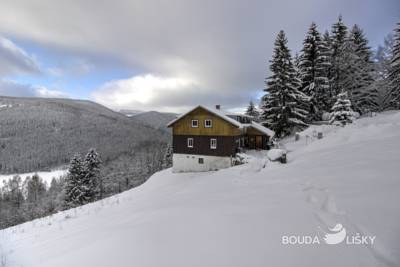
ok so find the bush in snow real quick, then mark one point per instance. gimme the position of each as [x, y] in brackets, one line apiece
[275, 154]
[326, 116]
[341, 110]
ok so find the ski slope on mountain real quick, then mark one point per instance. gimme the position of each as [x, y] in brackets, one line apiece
[238, 216]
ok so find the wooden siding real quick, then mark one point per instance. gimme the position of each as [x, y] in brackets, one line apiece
[226, 145]
[253, 131]
[220, 127]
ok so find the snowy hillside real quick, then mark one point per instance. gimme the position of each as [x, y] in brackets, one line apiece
[157, 120]
[61, 128]
[239, 216]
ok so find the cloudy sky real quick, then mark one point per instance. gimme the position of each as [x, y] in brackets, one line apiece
[162, 55]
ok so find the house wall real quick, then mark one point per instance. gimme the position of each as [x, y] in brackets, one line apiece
[226, 145]
[252, 133]
[190, 163]
[219, 127]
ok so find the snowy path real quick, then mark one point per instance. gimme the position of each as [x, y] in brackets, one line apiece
[237, 216]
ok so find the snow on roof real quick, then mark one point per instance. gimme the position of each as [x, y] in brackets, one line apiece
[214, 111]
[225, 116]
[262, 129]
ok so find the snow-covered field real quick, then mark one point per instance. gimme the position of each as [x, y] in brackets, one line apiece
[46, 176]
[238, 216]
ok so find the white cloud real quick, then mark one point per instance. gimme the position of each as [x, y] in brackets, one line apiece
[42, 91]
[15, 60]
[13, 88]
[224, 44]
[140, 91]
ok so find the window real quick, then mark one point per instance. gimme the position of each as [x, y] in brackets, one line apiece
[213, 143]
[208, 123]
[201, 161]
[195, 123]
[190, 142]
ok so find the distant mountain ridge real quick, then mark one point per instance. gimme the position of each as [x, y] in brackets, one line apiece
[130, 112]
[155, 119]
[39, 133]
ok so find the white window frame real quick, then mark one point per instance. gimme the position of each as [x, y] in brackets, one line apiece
[205, 123]
[213, 143]
[197, 124]
[190, 142]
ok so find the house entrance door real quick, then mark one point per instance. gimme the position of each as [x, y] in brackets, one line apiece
[259, 142]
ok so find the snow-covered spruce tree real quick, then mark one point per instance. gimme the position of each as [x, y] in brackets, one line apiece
[394, 75]
[338, 38]
[167, 159]
[382, 59]
[73, 193]
[326, 56]
[92, 182]
[313, 67]
[342, 113]
[364, 93]
[252, 111]
[296, 65]
[284, 106]
[350, 69]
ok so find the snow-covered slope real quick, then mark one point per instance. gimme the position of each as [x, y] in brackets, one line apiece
[157, 120]
[237, 216]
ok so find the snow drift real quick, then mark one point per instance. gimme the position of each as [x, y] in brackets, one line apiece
[238, 216]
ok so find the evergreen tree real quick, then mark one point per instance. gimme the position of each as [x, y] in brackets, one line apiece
[382, 59]
[252, 111]
[364, 95]
[394, 75]
[338, 38]
[308, 59]
[342, 113]
[349, 66]
[73, 193]
[167, 159]
[314, 64]
[283, 104]
[296, 65]
[92, 182]
[327, 58]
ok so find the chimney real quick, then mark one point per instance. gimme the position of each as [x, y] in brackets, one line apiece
[218, 107]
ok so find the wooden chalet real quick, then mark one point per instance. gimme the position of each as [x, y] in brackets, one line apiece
[207, 138]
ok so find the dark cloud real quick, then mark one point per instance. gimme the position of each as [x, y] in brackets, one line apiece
[221, 47]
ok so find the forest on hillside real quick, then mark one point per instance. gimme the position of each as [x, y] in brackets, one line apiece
[38, 134]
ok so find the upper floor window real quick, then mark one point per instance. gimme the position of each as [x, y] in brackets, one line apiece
[190, 142]
[195, 123]
[213, 143]
[208, 123]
